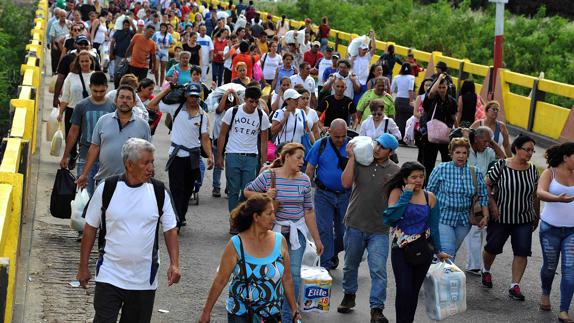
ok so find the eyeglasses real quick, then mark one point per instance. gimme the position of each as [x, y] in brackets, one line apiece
[528, 150]
[378, 114]
[494, 109]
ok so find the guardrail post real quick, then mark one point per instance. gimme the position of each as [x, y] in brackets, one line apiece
[337, 41]
[535, 96]
[4, 278]
[461, 77]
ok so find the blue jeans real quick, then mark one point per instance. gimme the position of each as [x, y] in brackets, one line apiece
[91, 181]
[240, 170]
[216, 169]
[556, 240]
[452, 237]
[377, 245]
[296, 257]
[330, 210]
[199, 182]
[217, 73]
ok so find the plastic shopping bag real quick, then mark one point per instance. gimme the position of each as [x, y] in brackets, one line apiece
[310, 257]
[445, 291]
[409, 137]
[363, 149]
[315, 291]
[353, 49]
[52, 125]
[57, 143]
[78, 205]
[63, 193]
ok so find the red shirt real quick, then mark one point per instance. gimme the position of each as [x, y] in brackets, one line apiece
[185, 10]
[218, 47]
[324, 31]
[312, 58]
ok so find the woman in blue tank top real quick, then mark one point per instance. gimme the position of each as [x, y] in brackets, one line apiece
[254, 259]
[413, 215]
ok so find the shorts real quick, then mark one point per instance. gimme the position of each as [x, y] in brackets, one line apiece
[520, 238]
[162, 55]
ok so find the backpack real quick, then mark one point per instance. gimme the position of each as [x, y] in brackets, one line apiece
[109, 189]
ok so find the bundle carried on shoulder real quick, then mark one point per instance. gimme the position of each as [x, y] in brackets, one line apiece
[363, 149]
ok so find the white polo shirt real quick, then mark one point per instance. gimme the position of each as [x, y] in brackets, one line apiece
[308, 83]
[186, 128]
[131, 220]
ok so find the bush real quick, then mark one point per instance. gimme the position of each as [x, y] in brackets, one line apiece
[16, 21]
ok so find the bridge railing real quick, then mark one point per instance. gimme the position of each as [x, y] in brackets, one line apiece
[530, 113]
[14, 167]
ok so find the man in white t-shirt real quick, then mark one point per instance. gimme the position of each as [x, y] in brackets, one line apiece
[352, 84]
[307, 81]
[126, 271]
[243, 130]
[206, 51]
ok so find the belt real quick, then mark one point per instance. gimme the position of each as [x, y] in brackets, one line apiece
[325, 188]
[244, 154]
[177, 148]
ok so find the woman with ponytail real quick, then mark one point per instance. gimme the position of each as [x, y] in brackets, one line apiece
[264, 251]
[295, 218]
[556, 188]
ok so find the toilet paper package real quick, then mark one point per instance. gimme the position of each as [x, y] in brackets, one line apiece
[445, 291]
[315, 290]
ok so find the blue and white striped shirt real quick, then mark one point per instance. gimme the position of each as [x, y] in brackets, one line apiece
[454, 189]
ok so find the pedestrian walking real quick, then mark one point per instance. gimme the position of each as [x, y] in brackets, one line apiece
[142, 49]
[556, 189]
[128, 210]
[515, 212]
[499, 130]
[403, 86]
[365, 229]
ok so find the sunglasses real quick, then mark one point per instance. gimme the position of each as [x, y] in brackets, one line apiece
[378, 114]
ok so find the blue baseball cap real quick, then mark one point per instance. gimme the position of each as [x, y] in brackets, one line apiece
[193, 89]
[388, 141]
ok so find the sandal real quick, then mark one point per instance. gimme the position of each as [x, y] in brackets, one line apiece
[545, 307]
[566, 320]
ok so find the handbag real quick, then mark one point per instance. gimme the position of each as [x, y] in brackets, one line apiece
[276, 203]
[475, 214]
[63, 193]
[437, 130]
[176, 95]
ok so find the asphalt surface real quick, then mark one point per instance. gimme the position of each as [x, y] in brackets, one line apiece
[51, 259]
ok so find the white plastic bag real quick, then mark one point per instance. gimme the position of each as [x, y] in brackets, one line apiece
[445, 291]
[363, 149]
[310, 257]
[291, 38]
[56, 144]
[78, 204]
[353, 49]
[315, 291]
[52, 125]
[409, 137]
[215, 96]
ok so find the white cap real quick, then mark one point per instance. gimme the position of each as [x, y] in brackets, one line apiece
[364, 46]
[291, 94]
[141, 22]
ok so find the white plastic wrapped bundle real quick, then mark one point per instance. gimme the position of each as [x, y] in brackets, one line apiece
[445, 291]
[215, 96]
[291, 38]
[353, 49]
[77, 205]
[52, 124]
[363, 149]
[56, 144]
[315, 290]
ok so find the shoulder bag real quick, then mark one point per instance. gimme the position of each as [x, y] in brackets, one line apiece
[437, 130]
[475, 214]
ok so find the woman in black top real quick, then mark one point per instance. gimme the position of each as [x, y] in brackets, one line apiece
[467, 102]
[193, 48]
[443, 106]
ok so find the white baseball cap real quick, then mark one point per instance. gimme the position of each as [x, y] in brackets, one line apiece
[291, 94]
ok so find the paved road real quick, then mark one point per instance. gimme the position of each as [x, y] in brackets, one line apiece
[54, 255]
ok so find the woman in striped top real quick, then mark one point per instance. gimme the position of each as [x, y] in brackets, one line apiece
[295, 217]
[515, 211]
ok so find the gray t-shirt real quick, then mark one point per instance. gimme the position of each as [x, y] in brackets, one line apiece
[86, 114]
[108, 135]
[368, 200]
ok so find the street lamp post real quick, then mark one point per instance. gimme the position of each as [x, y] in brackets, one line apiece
[498, 38]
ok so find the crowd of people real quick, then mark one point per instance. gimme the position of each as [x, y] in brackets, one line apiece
[286, 107]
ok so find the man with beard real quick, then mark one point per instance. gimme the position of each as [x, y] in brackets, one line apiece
[110, 133]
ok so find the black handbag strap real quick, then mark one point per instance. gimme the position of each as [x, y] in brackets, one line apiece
[84, 91]
[243, 265]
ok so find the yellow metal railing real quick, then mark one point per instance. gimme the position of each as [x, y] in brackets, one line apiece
[14, 167]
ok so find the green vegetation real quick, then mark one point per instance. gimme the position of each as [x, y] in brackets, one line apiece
[16, 21]
[532, 45]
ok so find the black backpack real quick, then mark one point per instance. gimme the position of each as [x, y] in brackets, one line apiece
[109, 189]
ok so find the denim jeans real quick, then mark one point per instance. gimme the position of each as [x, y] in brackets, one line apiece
[330, 210]
[91, 181]
[296, 257]
[216, 169]
[199, 182]
[240, 170]
[217, 73]
[377, 246]
[474, 242]
[556, 240]
[452, 237]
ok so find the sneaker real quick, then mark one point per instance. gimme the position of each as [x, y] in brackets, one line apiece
[347, 304]
[474, 272]
[216, 192]
[515, 293]
[487, 280]
[377, 316]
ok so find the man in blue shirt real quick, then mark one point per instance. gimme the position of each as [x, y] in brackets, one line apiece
[325, 164]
